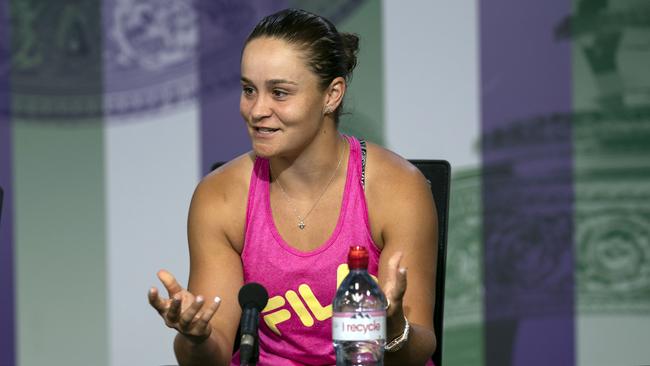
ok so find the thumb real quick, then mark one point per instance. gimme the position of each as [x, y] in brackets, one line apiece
[170, 283]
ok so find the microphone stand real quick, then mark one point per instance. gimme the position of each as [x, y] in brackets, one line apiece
[254, 355]
[249, 348]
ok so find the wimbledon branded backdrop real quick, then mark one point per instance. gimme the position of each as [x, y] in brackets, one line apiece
[111, 111]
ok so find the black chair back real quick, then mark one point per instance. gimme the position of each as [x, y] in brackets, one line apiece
[438, 172]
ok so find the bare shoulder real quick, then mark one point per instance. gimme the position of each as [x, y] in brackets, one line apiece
[219, 200]
[229, 178]
[390, 173]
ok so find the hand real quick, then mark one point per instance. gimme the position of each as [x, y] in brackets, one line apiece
[394, 289]
[182, 310]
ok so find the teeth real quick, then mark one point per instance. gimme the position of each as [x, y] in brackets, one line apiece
[267, 130]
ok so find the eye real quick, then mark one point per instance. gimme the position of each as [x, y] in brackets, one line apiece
[247, 90]
[279, 93]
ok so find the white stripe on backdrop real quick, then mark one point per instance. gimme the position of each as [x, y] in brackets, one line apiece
[152, 167]
[431, 80]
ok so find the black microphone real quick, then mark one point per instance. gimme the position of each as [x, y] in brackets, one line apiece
[252, 299]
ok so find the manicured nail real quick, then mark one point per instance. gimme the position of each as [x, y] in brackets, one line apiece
[217, 299]
[199, 298]
[402, 270]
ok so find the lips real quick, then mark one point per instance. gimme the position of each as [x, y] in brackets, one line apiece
[265, 130]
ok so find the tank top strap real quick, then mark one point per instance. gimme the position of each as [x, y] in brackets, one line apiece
[355, 153]
[364, 154]
[358, 159]
[258, 190]
[357, 177]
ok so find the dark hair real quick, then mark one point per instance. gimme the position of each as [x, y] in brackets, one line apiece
[329, 54]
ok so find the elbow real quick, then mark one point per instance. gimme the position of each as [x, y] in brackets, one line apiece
[434, 344]
[419, 349]
[425, 346]
[430, 345]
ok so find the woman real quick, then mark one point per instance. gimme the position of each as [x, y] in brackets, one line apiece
[285, 214]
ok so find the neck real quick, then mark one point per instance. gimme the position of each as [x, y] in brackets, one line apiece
[303, 175]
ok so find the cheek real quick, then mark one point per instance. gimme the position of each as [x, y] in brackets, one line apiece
[243, 106]
[292, 114]
[302, 111]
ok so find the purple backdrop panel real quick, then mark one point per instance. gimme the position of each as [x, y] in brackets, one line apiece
[7, 311]
[224, 26]
[527, 184]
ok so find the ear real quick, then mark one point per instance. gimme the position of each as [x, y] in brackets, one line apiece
[334, 94]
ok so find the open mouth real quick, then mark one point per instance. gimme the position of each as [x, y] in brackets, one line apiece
[266, 130]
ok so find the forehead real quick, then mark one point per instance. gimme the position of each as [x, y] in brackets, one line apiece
[272, 58]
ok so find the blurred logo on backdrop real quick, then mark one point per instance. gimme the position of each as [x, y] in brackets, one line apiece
[73, 60]
[150, 54]
[610, 186]
[54, 58]
[611, 128]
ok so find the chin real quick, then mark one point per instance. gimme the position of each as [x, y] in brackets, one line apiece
[263, 151]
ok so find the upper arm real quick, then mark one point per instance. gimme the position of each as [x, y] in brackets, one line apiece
[406, 213]
[214, 228]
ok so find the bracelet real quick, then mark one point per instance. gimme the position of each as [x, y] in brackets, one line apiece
[399, 342]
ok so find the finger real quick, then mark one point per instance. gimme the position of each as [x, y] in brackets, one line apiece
[174, 310]
[206, 315]
[155, 300]
[172, 286]
[189, 313]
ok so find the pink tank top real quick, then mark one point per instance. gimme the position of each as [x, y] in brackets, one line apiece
[296, 325]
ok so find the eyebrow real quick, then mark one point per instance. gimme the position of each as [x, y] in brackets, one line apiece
[271, 82]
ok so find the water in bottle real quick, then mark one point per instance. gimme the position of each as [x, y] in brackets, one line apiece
[359, 315]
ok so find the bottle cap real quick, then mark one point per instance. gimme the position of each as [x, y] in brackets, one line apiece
[358, 257]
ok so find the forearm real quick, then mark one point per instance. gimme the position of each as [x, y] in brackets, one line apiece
[208, 352]
[418, 349]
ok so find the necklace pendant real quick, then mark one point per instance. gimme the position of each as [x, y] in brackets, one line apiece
[301, 225]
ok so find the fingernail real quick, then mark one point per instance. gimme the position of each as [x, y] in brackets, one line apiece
[217, 299]
[402, 270]
[199, 298]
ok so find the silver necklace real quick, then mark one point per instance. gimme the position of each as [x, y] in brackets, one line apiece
[301, 219]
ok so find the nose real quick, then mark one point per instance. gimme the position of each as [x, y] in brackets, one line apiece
[260, 108]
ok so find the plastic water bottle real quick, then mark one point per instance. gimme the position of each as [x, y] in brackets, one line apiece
[359, 315]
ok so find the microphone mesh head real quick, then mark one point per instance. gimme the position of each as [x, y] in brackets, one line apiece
[253, 294]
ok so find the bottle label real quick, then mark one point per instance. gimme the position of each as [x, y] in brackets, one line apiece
[359, 326]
